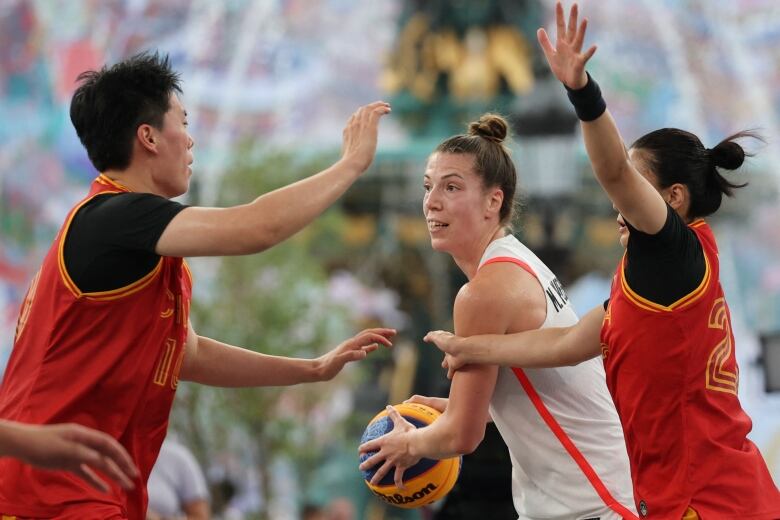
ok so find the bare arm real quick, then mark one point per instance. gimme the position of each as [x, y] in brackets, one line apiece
[482, 306]
[69, 447]
[213, 363]
[631, 193]
[197, 510]
[541, 348]
[275, 216]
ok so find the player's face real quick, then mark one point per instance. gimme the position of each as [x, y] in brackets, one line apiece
[175, 147]
[455, 204]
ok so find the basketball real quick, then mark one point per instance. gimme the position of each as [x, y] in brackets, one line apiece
[428, 480]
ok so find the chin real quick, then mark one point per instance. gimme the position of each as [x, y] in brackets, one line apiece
[438, 245]
[623, 240]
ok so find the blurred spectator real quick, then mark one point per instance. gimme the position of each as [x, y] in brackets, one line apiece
[177, 488]
[340, 508]
[313, 512]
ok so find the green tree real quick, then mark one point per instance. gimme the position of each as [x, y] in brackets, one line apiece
[276, 303]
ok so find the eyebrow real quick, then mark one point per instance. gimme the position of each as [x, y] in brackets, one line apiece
[185, 113]
[426, 176]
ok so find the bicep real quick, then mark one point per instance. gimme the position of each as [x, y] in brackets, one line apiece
[199, 231]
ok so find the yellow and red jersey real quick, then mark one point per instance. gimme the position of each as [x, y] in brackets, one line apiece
[673, 376]
[107, 360]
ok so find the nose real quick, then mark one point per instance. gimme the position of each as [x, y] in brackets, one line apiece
[190, 143]
[431, 201]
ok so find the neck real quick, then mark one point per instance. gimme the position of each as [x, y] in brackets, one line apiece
[469, 261]
[134, 178]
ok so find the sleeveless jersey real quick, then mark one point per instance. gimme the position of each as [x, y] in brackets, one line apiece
[561, 428]
[107, 360]
[673, 376]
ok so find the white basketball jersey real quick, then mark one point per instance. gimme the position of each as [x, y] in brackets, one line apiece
[547, 482]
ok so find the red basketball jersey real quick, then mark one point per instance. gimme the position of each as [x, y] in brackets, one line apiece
[107, 360]
[673, 376]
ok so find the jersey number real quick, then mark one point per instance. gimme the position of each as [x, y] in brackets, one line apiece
[719, 378]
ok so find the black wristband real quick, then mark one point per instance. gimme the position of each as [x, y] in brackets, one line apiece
[588, 102]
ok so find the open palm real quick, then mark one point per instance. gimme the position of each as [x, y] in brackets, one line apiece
[566, 59]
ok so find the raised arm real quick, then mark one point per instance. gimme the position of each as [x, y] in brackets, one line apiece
[630, 192]
[541, 348]
[275, 216]
[213, 363]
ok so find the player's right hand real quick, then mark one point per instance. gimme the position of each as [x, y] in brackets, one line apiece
[360, 135]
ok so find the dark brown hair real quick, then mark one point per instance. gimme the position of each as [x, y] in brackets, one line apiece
[492, 162]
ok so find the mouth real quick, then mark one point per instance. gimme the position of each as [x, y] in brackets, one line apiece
[436, 225]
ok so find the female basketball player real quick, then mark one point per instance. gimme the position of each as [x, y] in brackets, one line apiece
[564, 437]
[665, 335]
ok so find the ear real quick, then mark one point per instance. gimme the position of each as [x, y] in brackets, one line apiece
[495, 200]
[147, 137]
[678, 197]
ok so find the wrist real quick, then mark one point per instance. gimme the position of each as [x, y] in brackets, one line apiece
[588, 102]
[315, 369]
[352, 167]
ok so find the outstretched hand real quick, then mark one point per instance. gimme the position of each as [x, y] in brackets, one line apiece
[354, 349]
[566, 59]
[360, 135]
[392, 450]
[80, 450]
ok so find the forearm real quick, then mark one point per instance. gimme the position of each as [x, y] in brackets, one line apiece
[285, 211]
[541, 348]
[440, 440]
[606, 149]
[12, 439]
[218, 364]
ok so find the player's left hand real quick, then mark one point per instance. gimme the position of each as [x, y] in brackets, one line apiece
[392, 450]
[354, 349]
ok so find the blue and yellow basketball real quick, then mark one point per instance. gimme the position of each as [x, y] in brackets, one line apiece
[428, 480]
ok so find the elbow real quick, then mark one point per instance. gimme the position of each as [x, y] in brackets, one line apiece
[466, 441]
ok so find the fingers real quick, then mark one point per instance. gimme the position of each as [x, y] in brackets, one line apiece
[109, 447]
[368, 447]
[370, 348]
[580, 35]
[399, 477]
[589, 53]
[111, 470]
[91, 477]
[560, 27]
[572, 29]
[380, 473]
[440, 340]
[365, 338]
[547, 46]
[437, 403]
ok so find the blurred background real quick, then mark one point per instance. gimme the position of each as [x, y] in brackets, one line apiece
[269, 85]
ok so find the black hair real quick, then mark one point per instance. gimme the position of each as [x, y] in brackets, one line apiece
[492, 162]
[677, 156]
[110, 104]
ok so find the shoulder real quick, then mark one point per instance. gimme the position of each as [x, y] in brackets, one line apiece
[496, 293]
